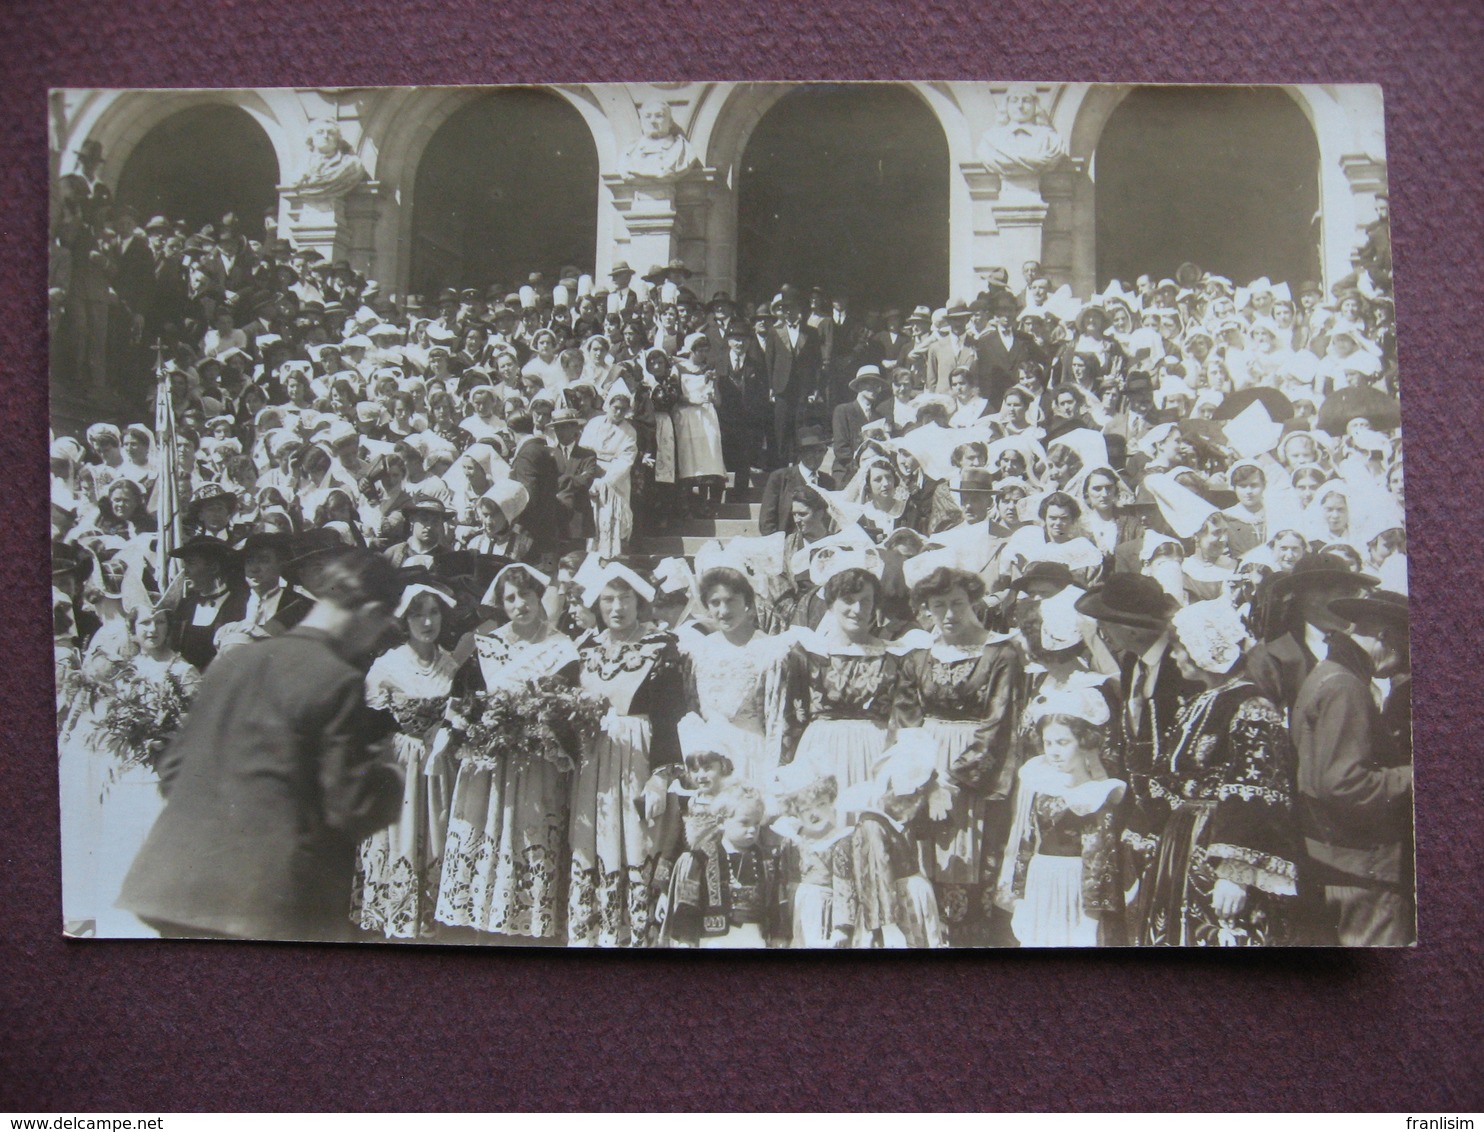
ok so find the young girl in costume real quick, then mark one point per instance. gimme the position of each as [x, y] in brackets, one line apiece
[1060, 876]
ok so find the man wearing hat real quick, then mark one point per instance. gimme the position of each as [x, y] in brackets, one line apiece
[577, 468]
[534, 467]
[793, 364]
[1354, 794]
[214, 597]
[1133, 613]
[1300, 602]
[275, 778]
[742, 404]
[623, 298]
[870, 390]
[950, 350]
[812, 445]
[428, 519]
[1000, 348]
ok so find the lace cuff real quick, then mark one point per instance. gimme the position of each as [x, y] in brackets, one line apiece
[1256, 870]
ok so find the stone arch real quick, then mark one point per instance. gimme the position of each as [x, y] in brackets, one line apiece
[395, 138]
[120, 120]
[1083, 111]
[724, 123]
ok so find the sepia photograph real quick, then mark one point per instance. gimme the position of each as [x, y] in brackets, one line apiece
[730, 515]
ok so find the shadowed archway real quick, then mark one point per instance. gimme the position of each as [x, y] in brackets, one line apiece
[507, 185]
[201, 163]
[1227, 179]
[845, 186]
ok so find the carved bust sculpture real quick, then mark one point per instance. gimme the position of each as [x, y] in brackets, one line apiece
[1022, 141]
[332, 170]
[662, 152]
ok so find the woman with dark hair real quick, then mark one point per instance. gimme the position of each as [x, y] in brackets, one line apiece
[967, 682]
[396, 883]
[121, 512]
[1208, 568]
[1091, 337]
[845, 683]
[735, 676]
[637, 669]
[506, 857]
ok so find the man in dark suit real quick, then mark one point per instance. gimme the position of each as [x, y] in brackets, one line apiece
[577, 467]
[1000, 348]
[274, 779]
[1133, 613]
[534, 467]
[211, 601]
[812, 445]
[793, 363]
[890, 347]
[949, 351]
[1280, 666]
[869, 388]
[742, 394]
[1354, 809]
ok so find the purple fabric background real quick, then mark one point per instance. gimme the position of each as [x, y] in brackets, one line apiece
[259, 1026]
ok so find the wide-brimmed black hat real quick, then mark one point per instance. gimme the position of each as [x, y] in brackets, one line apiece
[70, 559]
[216, 548]
[1378, 606]
[280, 542]
[1129, 599]
[211, 493]
[1315, 570]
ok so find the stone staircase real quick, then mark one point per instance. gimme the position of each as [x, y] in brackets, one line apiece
[738, 515]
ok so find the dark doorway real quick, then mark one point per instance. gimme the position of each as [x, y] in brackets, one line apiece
[508, 185]
[200, 164]
[846, 187]
[1225, 179]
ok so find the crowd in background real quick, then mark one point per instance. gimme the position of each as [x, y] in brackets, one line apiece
[1066, 621]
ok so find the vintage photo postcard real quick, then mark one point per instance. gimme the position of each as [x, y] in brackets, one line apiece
[730, 515]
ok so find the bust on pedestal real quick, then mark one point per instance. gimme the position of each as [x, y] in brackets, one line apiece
[316, 199]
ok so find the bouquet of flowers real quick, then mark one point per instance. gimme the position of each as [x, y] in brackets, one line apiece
[545, 719]
[142, 716]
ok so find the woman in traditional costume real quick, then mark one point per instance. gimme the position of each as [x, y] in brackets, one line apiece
[637, 669]
[615, 443]
[505, 865]
[1225, 873]
[397, 875]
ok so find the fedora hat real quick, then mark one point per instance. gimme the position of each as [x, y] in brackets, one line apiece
[958, 309]
[1129, 599]
[206, 545]
[620, 268]
[921, 314]
[975, 480]
[811, 436]
[867, 377]
[566, 415]
[1057, 574]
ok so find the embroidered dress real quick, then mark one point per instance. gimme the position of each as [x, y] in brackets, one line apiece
[842, 697]
[883, 900]
[697, 429]
[396, 883]
[817, 872]
[504, 869]
[1061, 871]
[610, 903]
[739, 690]
[968, 706]
[1229, 787]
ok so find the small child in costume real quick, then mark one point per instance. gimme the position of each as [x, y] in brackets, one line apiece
[888, 902]
[727, 890]
[816, 851]
[1060, 876]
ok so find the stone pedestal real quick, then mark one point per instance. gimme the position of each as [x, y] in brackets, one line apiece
[1010, 217]
[661, 220]
[337, 227]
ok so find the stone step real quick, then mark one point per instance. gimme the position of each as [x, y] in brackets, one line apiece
[667, 546]
[716, 528]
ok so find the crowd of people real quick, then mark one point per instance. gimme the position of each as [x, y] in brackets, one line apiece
[1066, 622]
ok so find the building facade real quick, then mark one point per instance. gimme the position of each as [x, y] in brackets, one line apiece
[1026, 175]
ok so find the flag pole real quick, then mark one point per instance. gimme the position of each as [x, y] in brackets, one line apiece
[166, 488]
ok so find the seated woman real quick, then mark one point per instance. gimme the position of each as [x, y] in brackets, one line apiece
[1055, 539]
[1209, 566]
[970, 406]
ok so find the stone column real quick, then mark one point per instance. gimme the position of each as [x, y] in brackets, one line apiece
[664, 219]
[1348, 203]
